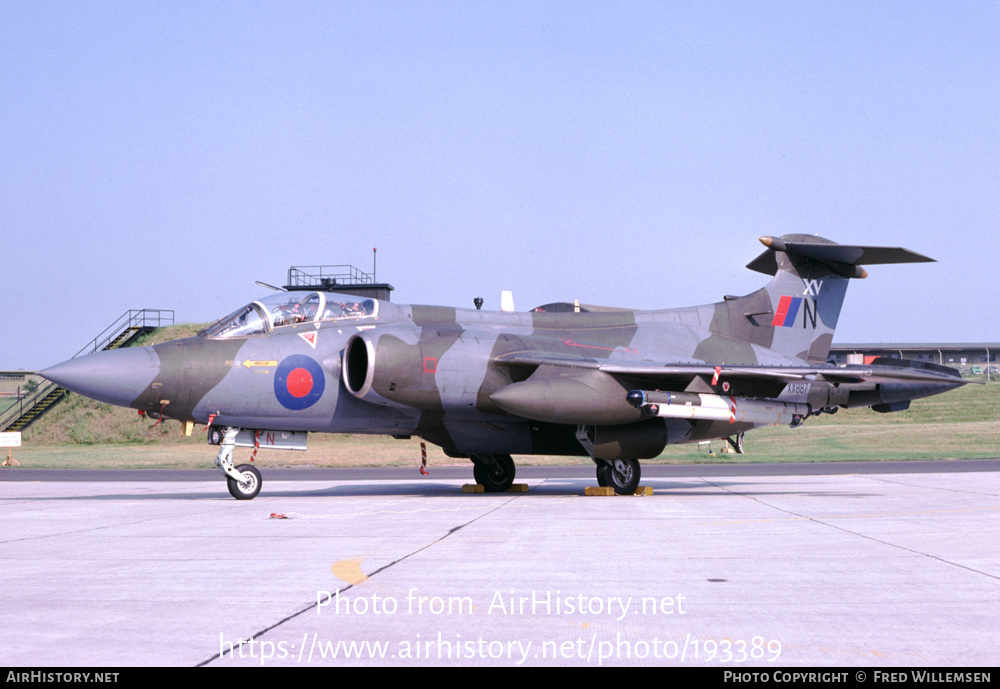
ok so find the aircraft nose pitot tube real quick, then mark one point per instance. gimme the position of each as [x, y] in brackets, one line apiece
[117, 376]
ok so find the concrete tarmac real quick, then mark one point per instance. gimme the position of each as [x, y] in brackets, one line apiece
[742, 568]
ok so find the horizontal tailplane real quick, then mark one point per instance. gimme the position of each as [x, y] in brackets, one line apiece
[843, 259]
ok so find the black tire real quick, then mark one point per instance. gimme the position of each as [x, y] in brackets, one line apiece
[247, 489]
[479, 472]
[603, 474]
[624, 475]
[495, 479]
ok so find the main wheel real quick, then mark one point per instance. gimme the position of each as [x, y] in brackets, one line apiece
[248, 488]
[622, 475]
[495, 479]
[603, 474]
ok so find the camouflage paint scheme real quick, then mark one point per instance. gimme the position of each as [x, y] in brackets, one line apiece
[487, 385]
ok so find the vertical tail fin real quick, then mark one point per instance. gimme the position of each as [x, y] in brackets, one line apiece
[796, 313]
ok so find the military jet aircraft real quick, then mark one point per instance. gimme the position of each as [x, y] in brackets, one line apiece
[617, 385]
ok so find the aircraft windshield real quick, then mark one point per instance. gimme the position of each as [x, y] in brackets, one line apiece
[290, 308]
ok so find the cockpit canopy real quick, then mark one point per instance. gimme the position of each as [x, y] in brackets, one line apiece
[290, 308]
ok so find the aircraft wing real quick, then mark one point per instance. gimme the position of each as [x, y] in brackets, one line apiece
[880, 371]
[833, 374]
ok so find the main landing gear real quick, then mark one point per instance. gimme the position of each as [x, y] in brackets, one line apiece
[620, 474]
[244, 481]
[495, 473]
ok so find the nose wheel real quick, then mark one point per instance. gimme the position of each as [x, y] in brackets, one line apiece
[244, 481]
[248, 487]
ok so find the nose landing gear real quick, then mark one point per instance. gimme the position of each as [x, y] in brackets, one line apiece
[244, 481]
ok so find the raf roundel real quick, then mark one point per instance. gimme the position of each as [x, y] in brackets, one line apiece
[298, 382]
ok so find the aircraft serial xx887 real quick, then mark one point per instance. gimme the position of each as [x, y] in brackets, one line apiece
[617, 385]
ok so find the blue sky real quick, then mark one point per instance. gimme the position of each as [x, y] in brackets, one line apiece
[167, 155]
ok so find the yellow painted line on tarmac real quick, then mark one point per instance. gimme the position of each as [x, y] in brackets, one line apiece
[349, 571]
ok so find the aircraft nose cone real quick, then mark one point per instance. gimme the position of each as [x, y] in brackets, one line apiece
[117, 376]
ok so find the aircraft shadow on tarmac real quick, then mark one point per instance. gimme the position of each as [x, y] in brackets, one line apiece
[427, 489]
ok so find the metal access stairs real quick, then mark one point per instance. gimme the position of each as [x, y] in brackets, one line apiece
[126, 329]
[34, 405]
